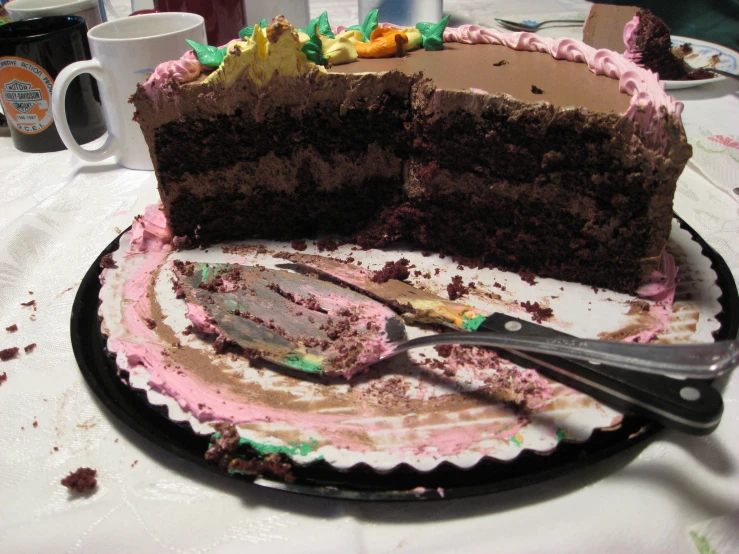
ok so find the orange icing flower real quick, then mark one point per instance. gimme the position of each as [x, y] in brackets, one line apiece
[384, 42]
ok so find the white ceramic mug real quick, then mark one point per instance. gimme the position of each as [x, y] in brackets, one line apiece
[296, 11]
[89, 10]
[403, 12]
[124, 53]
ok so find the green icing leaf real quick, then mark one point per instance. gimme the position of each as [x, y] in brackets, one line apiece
[247, 32]
[313, 49]
[319, 24]
[433, 34]
[369, 25]
[208, 55]
[323, 26]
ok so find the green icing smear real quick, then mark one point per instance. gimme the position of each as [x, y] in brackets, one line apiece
[294, 448]
[561, 434]
[515, 441]
[471, 324]
[296, 361]
[208, 55]
[370, 24]
[702, 544]
[433, 34]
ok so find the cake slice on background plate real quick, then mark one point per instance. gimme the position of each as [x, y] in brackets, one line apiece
[642, 37]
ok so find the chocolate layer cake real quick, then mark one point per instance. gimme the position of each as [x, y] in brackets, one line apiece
[513, 150]
[645, 37]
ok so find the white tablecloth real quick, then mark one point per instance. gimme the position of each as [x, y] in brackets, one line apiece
[57, 214]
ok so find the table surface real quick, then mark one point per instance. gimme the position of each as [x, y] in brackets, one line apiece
[58, 213]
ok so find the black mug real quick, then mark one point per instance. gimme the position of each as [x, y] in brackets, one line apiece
[32, 53]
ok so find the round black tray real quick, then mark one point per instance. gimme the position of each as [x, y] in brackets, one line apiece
[361, 482]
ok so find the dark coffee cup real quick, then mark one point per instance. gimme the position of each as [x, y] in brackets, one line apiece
[32, 53]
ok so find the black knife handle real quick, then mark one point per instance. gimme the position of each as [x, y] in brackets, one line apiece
[689, 405]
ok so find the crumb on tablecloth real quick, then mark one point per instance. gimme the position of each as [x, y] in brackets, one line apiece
[9, 353]
[82, 480]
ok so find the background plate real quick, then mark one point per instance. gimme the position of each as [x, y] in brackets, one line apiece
[701, 57]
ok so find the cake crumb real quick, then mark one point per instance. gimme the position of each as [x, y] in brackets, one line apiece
[30, 303]
[35, 424]
[3, 377]
[536, 90]
[392, 270]
[8, 353]
[538, 312]
[528, 277]
[299, 245]
[500, 63]
[12, 328]
[327, 244]
[107, 262]
[30, 348]
[456, 288]
[444, 350]
[82, 480]
[223, 451]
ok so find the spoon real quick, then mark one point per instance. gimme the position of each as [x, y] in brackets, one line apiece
[318, 327]
[533, 26]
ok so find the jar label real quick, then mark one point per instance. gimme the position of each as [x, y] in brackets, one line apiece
[25, 92]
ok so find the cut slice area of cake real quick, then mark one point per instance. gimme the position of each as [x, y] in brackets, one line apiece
[500, 149]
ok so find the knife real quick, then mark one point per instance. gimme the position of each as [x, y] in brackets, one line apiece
[690, 405]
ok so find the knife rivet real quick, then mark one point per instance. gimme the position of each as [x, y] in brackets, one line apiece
[690, 393]
[513, 326]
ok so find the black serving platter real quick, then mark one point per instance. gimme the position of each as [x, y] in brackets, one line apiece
[361, 482]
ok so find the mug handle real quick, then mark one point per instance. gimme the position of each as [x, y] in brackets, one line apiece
[111, 147]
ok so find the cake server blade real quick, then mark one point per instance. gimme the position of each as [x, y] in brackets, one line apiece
[690, 405]
[287, 318]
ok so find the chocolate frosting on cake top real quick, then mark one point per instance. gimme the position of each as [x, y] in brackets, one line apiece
[528, 76]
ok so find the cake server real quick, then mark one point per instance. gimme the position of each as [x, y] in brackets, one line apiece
[689, 404]
[318, 327]
[286, 318]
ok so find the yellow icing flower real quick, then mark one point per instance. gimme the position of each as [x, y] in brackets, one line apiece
[354, 36]
[415, 39]
[338, 50]
[261, 57]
